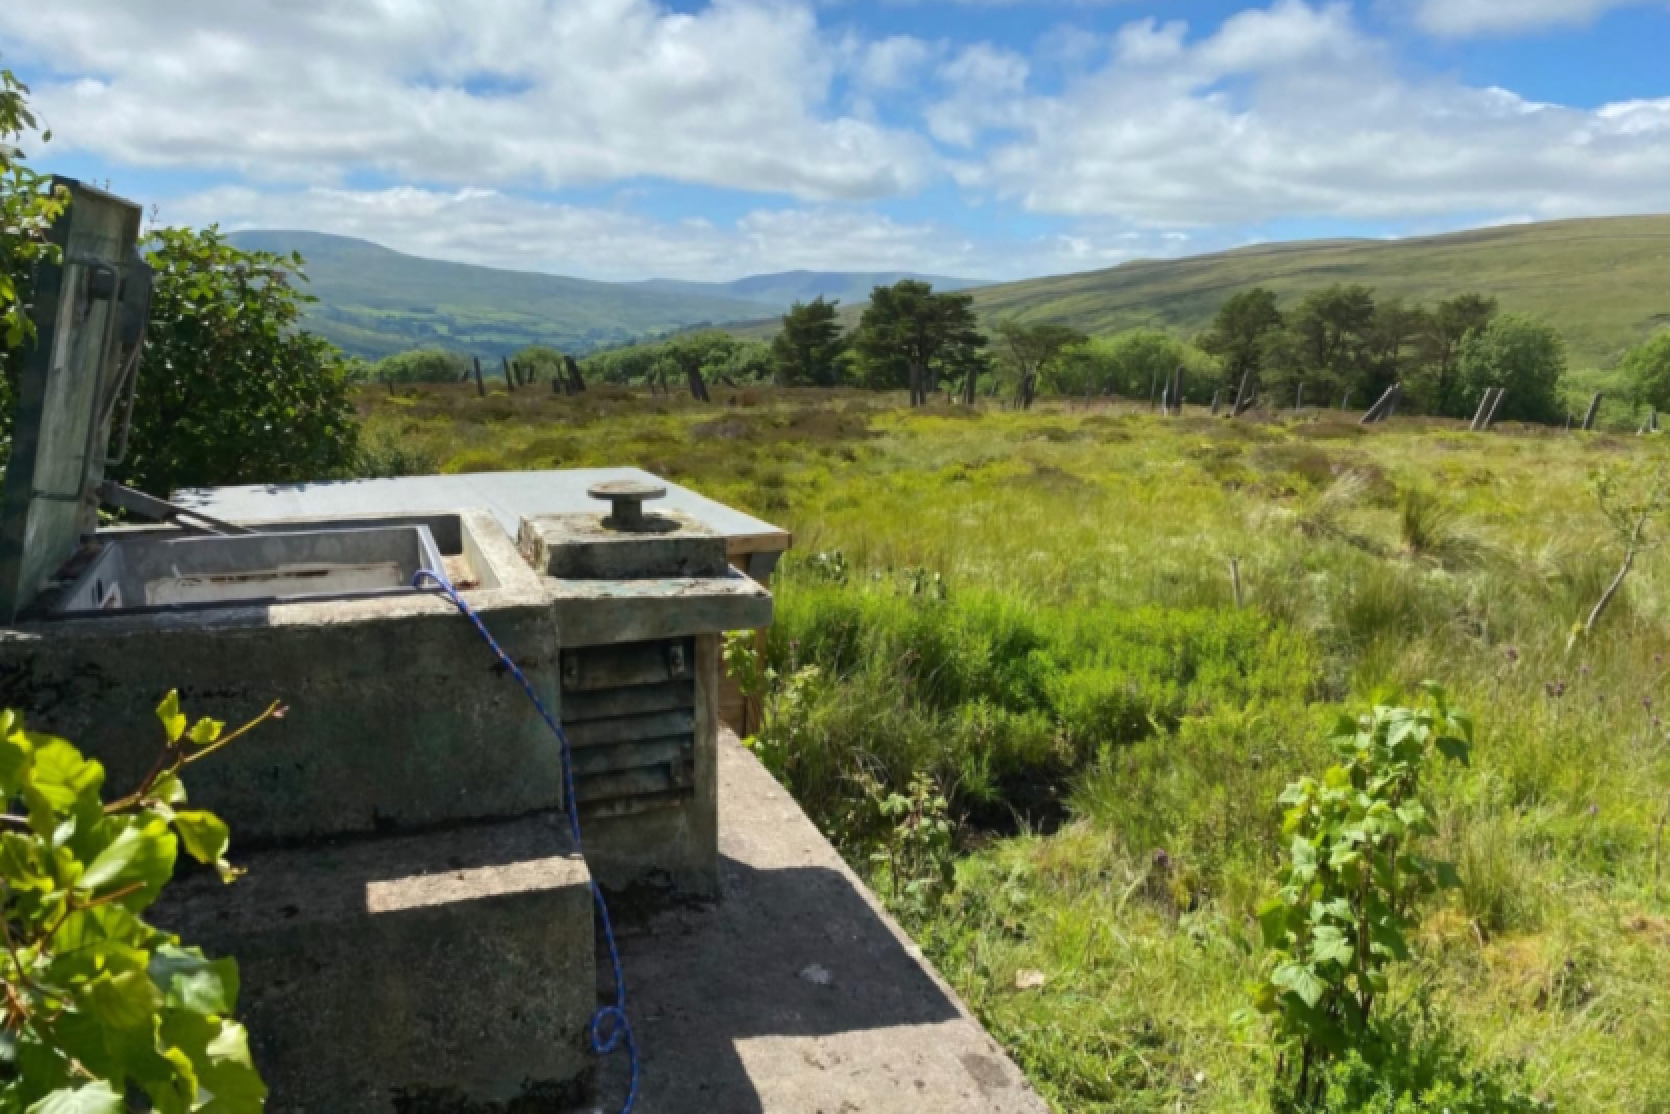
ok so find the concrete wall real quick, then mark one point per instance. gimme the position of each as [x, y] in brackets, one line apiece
[399, 716]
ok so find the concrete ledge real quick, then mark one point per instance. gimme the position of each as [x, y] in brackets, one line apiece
[796, 993]
[446, 972]
[598, 612]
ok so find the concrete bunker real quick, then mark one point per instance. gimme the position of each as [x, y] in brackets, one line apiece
[416, 931]
[411, 803]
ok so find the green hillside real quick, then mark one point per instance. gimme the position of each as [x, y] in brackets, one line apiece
[374, 301]
[1604, 282]
[779, 291]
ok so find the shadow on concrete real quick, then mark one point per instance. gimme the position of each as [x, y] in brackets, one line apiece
[794, 952]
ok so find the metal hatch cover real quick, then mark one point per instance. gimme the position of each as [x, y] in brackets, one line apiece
[89, 313]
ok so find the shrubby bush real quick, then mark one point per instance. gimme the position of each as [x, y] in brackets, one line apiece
[1522, 354]
[420, 365]
[1646, 368]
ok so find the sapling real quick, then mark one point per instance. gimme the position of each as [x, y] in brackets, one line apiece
[1347, 900]
[1632, 502]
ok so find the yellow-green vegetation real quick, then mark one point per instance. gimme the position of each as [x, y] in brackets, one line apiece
[1107, 640]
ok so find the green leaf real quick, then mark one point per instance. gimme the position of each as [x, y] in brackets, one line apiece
[1456, 750]
[191, 981]
[169, 790]
[173, 720]
[205, 836]
[1272, 923]
[17, 758]
[125, 1002]
[62, 775]
[206, 731]
[1330, 945]
[92, 1098]
[1300, 980]
[219, 1053]
[142, 853]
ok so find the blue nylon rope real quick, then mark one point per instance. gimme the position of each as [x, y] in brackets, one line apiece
[609, 1028]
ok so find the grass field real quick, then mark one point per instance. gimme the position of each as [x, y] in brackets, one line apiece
[1037, 611]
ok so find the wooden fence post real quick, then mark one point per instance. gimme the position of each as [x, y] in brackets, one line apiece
[1217, 400]
[573, 367]
[1243, 396]
[1479, 415]
[1496, 404]
[1385, 407]
[509, 380]
[1594, 411]
[480, 387]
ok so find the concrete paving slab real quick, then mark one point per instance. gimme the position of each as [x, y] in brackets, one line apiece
[510, 496]
[796, 993]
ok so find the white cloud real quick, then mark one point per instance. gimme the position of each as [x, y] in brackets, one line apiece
[1292, 112]
[986, 85]
[894, 62]
[545, 92]
[498, 229]
[1476, 17]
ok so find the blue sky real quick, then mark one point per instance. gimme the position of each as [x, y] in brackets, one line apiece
[709, 139]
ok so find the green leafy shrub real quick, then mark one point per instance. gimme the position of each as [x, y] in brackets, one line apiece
[1348, 898]
[98, 1003]
[234, 389]
[916, 851]
[1420, 1068]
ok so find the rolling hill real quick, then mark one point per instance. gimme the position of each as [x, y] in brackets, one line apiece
[373, 301]
[778, 292]
[1604, 282]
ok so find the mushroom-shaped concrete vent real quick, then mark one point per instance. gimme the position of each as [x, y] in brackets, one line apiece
[626, 500]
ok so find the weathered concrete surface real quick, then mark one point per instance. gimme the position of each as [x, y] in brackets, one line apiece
[510, 496]
[596, 612]
[443, 972]
[729, 1016]
[585, 547]
[399, 715]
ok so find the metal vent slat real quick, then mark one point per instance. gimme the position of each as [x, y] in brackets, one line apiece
[629, 712]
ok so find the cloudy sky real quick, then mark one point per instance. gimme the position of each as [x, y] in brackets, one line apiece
[985, 138]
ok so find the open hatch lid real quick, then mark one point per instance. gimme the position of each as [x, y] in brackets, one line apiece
[76, 387]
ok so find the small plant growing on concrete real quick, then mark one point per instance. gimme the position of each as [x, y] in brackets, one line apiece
[101, 1007]
[1349, 893]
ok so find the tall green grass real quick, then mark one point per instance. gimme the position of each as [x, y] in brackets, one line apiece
[1037, 609]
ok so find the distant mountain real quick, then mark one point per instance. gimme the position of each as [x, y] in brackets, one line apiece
[373, 301]
[782, 290]
[1604, 282]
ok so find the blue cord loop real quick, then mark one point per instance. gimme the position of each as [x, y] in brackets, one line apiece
[609, 1028]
